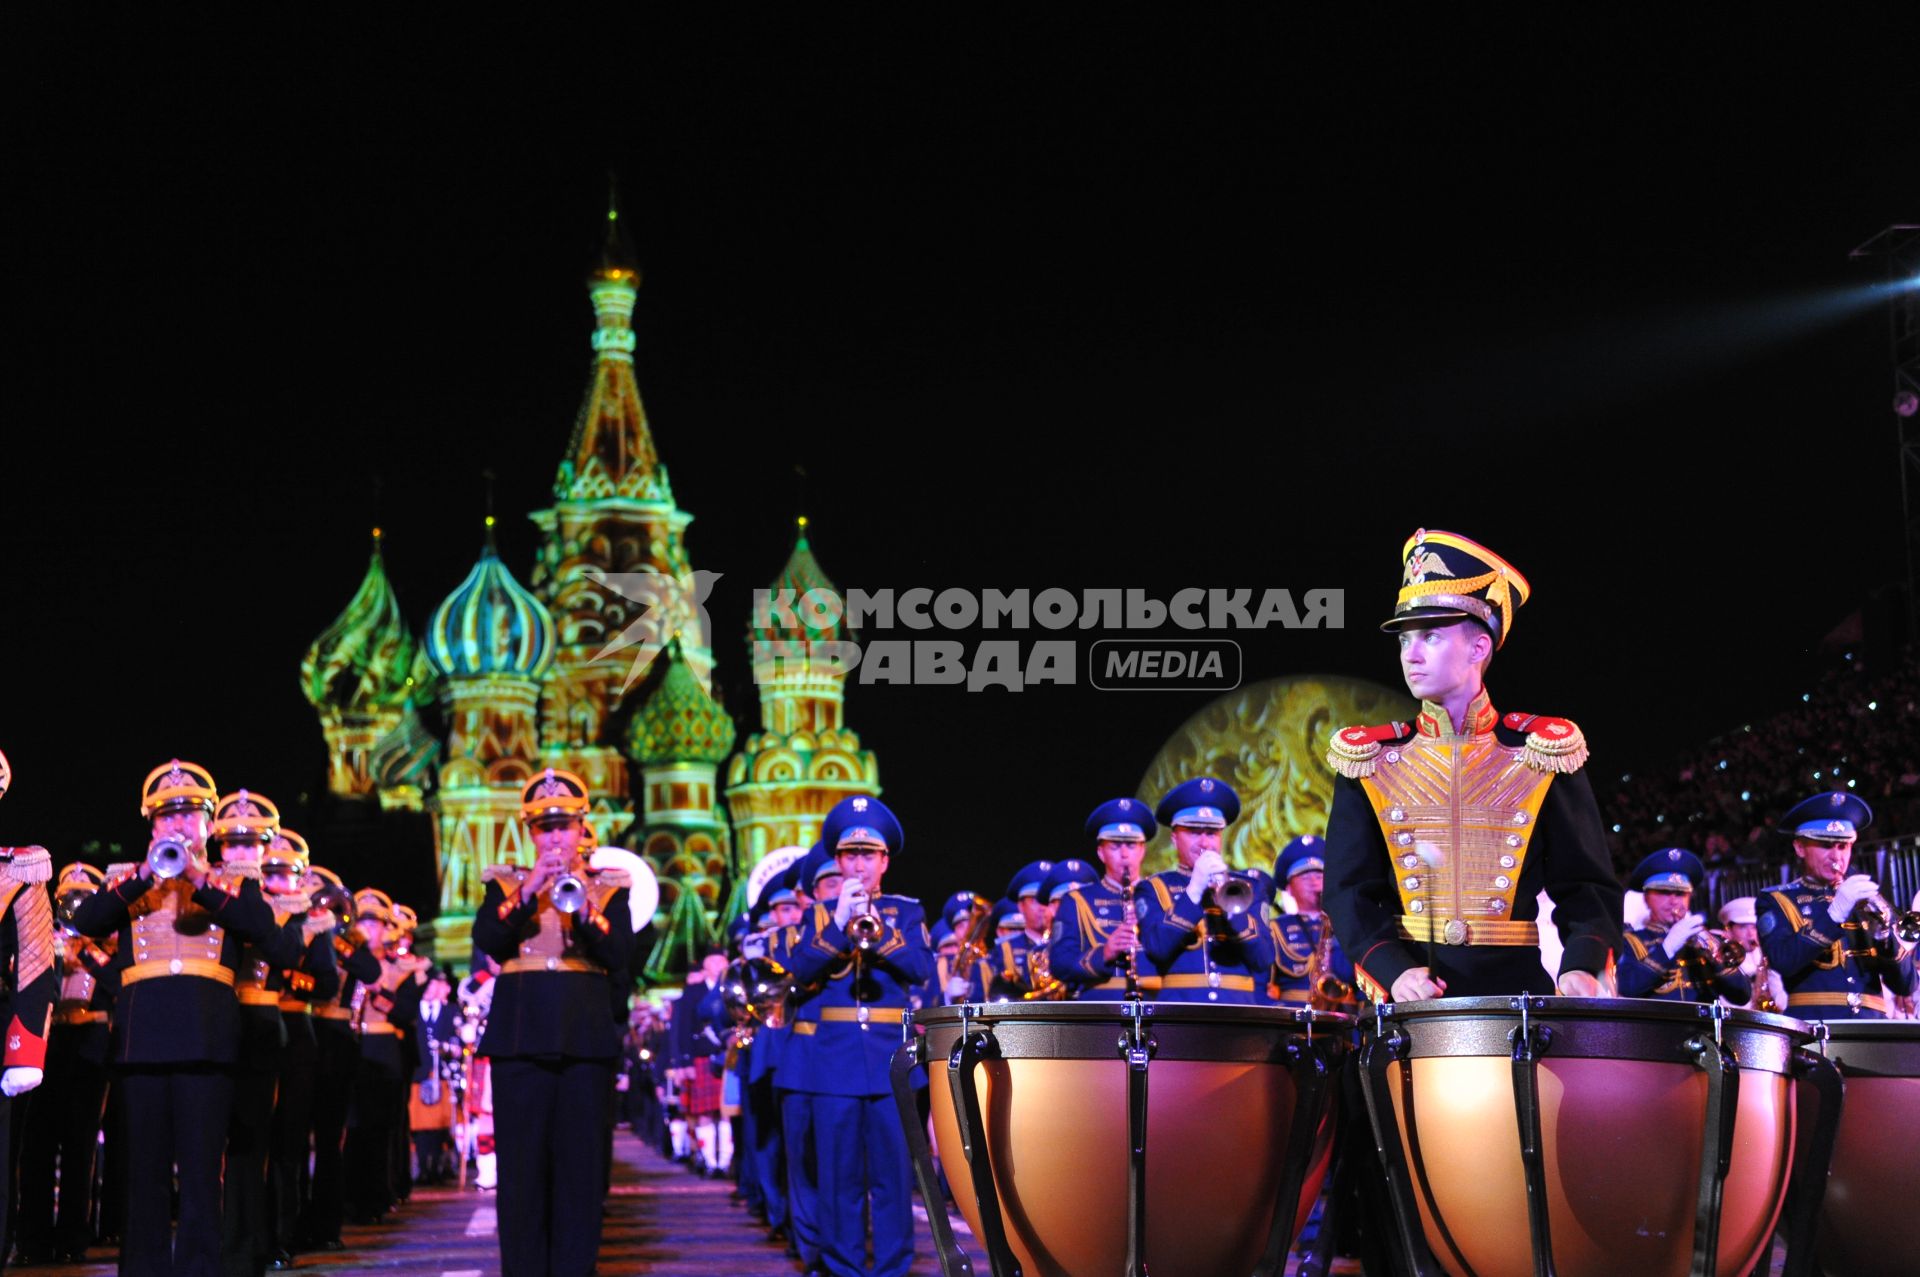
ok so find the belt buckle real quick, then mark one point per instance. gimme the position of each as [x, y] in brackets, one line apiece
[1853, 1001]
[553, 964]
[1456, 931]
[174, 967]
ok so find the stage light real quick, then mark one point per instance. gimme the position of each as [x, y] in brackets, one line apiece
[1906, 403]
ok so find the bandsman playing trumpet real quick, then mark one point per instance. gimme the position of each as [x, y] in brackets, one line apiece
[183, 926]
[1829, 933]
[1096, 937]
[1011, 976]
[864, 955]
[551, 1038]
[337, 1058]
[1204, 929]
[1675, 957]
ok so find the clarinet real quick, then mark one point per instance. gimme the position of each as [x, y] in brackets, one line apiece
[1132, 921]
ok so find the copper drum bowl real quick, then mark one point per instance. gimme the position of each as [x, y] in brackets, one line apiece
[1223, 1086]
[1621, 1090]
[1874, 1186]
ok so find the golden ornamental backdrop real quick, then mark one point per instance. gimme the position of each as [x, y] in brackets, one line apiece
[1269, 741]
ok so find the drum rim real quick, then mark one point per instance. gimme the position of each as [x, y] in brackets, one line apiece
[1873, 1030]
[1556, 1007]
[1197, 1013]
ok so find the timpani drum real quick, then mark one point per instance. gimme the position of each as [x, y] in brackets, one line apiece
[1874, 1185]
[1526, 1136]
[1125, 1137]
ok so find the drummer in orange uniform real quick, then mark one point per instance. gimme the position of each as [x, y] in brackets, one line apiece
[1430, 904]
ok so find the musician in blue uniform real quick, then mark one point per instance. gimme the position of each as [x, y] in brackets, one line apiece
[1093, 943]
[781, 909]
[1815, 931]
[1203, 953]
[550, 1036]
[1444, 831]
[817, 879]
[1672, 958]
[176, 1024]
[865, 954]
[1308, 957]
[1010, 961]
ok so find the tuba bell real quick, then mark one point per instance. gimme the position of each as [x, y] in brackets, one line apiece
[754, 992]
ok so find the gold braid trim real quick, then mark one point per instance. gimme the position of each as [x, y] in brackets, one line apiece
[33, 929]
[503, 874]
[1563, 756]
[1355, 762]
[28, 864]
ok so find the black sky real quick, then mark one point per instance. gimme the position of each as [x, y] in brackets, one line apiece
[1033, 301]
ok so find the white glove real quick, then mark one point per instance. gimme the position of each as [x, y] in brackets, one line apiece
[20, 1080]
[1206, 867]
[1850, 893]
[1681, 932]
[852, 903]
[957, 986]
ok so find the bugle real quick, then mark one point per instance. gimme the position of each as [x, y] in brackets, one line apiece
[169, 857]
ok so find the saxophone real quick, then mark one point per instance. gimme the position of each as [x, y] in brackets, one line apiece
[1325, 990]
[1763, 988]
[1040, 974]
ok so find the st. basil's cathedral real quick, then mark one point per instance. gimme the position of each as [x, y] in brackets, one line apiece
[541, 674]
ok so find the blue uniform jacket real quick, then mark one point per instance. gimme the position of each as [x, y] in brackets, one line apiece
[1825, 979]
[1648, 972]
[1295, 937]
[856, 1026]
[1086, 917]
[1200, 954]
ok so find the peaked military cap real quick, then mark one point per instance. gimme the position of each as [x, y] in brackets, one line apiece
[177, 786]
[1029, 879]
[245, 817]
[1122, 820]
[1830, 817]
[862, 823]
[1670, 869]
[1064, 877]
[1303, 855]
[1200, 803]
[1448, 578]
[554, 795]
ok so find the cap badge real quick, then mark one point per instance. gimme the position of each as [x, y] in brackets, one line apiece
[1836, 799]
[175, 777]
[859, 804]
[1206, 787]
[1674, 854]
[551, 787]
[1126, 804]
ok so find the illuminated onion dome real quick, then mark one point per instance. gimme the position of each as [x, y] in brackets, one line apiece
[364, 661]
[492, 625]
[824, 623]
[680, 723]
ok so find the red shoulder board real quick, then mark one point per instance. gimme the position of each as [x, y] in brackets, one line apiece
[1551, 728]
[1374, 735]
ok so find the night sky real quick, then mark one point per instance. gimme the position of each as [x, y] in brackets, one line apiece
[1031, 302]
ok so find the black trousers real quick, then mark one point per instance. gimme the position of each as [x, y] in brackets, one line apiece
[337, 1062]
[288, 1140]
[176, 1123]
[548, 1122]
[370, 1133]
[249, 1131]
[63, 1128]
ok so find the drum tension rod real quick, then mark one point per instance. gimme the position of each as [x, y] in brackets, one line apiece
[1530, 1042]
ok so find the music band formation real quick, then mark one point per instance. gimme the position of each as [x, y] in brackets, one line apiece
[258, 1028]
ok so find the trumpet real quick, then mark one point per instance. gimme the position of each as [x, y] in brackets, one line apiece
[337, 901]
[865, 929]
[1714, 947]
[754, 992]
[570, 894]
[169, 857]
[1234, 894]
[1885, 924]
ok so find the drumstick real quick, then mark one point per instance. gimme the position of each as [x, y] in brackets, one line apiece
[1431, 858]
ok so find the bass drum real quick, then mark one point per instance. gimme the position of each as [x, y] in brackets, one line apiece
[1584, 1137]
[1874, 1186]
[1119, 1138]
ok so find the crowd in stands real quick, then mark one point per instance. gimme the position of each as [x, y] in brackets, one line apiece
[1854, 728]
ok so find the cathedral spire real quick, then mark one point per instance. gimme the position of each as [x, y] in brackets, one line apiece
[611, 453]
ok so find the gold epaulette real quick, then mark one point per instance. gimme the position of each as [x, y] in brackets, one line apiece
[613, 879]
[236, 871]
[503, 873]
[27, 864]
[1553, 744]
[1351, 750]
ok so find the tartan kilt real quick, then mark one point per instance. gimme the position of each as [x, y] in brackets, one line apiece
[701, 1096]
